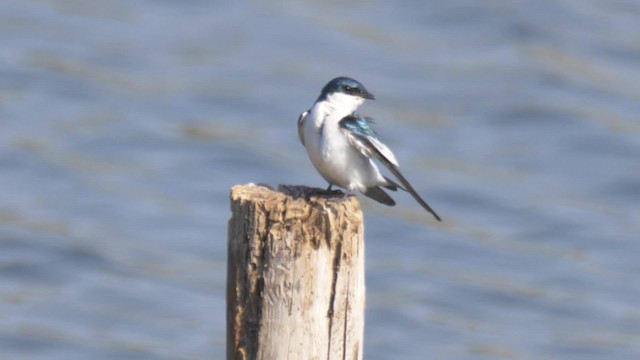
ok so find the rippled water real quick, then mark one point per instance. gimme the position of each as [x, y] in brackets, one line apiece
[123, 125]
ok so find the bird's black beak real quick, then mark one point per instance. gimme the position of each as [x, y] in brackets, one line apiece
[369, 96]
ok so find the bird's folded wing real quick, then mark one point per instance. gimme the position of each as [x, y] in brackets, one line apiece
[361, 135]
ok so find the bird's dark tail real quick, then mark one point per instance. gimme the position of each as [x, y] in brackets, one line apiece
[407, 187]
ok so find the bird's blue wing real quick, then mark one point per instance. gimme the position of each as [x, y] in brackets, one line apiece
[362, 126]
[360, 132]
[361, 135]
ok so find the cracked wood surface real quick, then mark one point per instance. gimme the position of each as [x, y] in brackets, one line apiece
[295, 277]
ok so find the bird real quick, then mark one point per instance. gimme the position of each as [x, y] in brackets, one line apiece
[344, 147]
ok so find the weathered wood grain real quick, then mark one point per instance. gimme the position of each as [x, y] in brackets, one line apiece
[295, 281]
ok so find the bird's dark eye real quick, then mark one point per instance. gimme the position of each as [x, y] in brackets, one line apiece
[348, 88]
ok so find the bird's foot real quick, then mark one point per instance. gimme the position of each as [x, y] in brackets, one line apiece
[332, 192]
[322, 193]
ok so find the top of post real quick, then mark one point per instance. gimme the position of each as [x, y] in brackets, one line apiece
[297, 201]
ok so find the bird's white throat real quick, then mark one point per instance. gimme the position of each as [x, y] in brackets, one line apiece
[337, 106]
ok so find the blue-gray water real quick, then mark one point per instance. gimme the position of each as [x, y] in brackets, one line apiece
[124, 124]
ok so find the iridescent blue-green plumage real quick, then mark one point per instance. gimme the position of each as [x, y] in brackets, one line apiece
[362, 126]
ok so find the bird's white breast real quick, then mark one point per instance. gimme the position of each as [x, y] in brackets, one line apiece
[331, 152]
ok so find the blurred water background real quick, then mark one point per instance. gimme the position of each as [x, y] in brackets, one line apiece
[124, 124]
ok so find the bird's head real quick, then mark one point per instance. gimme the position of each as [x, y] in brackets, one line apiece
[345, 92]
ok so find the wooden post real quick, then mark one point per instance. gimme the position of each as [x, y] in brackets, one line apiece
[295, 277]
